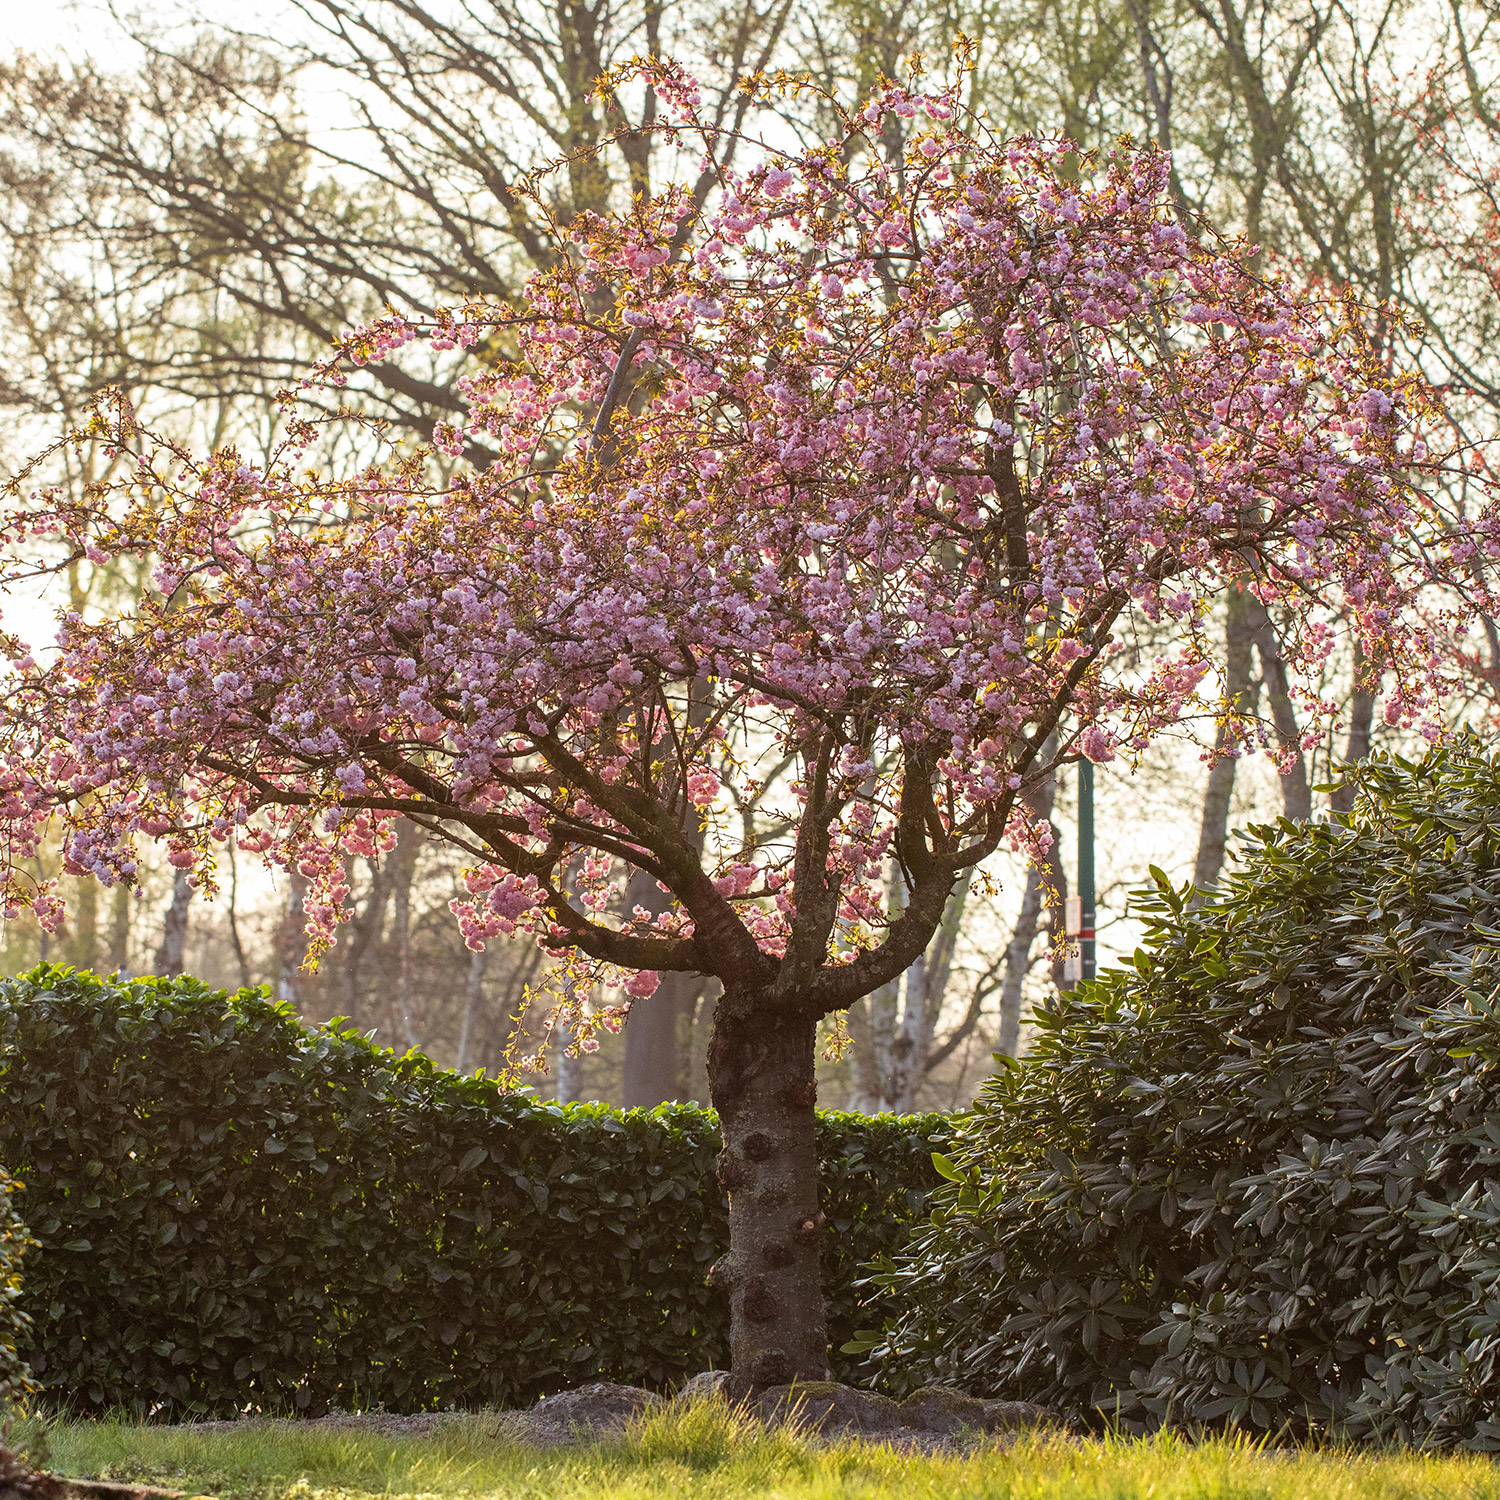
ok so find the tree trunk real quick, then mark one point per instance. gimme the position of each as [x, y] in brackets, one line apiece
[926, 984]
[656, 1050]
[651, 1051]
[292, 947]
[569, 1077]
[473, 993]
[1055, 890]
[1361, 723]
[232, 913]
[1051, 884]
[762, 1083]
[119, 930]
[653, 1070]
[872, 1025]
[83, 949]
[1018, 963]
[910, 1042]
[403, 873]
[864, 1082]
[174, 928]
[940, 957]
[569, 1069]
[1296, 794]
[697, 1026]
[874, 1031]
[1213, 829]
[363, 932]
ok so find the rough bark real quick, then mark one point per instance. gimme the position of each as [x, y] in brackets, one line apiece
[762, 1083]
[1241, 697]
[169, 955]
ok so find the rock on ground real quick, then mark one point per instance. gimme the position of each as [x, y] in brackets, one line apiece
[602, 1409]
[930, 1416]
[932, 1412]
[709, 1383]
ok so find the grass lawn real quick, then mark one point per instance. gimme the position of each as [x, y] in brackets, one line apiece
[704, 1451]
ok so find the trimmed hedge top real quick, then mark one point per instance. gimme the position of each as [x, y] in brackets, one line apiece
[235, 1210]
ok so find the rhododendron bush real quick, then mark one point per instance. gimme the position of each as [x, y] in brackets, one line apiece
[842, 492]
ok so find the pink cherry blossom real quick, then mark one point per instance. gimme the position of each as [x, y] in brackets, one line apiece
[838, 495]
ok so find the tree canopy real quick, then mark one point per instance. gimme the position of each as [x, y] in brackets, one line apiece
[851, 488]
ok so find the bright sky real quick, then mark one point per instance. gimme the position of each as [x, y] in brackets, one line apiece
[47, 24]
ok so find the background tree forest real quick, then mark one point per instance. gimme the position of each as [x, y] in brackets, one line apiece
[196, 224]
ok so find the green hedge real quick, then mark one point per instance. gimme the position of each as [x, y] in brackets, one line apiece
[234, 1209]
[14, 1324]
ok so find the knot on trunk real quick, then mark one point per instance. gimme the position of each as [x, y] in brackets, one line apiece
[757, 1146]
[722, 1273]
[758, 1304]
[777, 1255]
[807, 1230]
[730, 1173]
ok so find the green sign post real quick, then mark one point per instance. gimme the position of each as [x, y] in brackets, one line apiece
[1078, 911]
[1086, 867]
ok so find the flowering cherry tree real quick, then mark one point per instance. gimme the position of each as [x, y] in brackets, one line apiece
[843, 491]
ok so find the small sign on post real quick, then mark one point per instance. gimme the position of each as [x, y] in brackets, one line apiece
[1073, 927]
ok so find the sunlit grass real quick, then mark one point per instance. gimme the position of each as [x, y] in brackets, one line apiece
[706, 1451]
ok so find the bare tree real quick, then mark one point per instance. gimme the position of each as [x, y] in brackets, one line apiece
[174, 929]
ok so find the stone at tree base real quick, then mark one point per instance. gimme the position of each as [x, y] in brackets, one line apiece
[705, 1383]
[928, 1417]
[941, 1409]
[824, 1406]
[602, 1409]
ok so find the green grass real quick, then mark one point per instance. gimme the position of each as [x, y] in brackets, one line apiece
[706, 1452]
